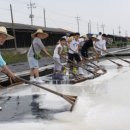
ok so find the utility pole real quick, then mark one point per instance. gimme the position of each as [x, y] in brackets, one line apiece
[113, 35]
[15, 44]
[97, 28]
[44, 13]
[103, 26]
[119, 30]
[77, 19]
[126, 33]
[89, 26]
[31, 6]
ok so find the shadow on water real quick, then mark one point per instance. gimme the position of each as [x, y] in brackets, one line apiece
[20, 108]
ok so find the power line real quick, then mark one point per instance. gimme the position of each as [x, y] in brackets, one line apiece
[52, 12]
[31, 6]
[21, 1]
[4, 9]
[59, 20]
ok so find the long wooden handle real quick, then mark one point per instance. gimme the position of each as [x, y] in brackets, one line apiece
[65, 68]
[66, 97]
[113, 55]
[86, 59]
[114, 62]
[94, 64]
[77, 65]
[49, 90]
[119, 57]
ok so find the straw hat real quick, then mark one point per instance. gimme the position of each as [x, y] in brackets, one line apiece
[3, 30]
[94, 36]
[45, 35]
[84, 36]
[70, 39]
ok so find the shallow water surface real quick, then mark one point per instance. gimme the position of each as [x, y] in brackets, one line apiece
[103, 104]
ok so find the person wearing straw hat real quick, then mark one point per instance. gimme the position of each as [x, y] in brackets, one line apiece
[3, 67]
[34, 54]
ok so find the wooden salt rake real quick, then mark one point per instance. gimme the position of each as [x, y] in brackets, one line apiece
[94, 73]
[114, 56]
[69, 98]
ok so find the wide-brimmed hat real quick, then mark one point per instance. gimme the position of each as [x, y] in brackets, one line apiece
[45, 35]
[3, 30]
[84, 36]
[70, 39]
[94, 36]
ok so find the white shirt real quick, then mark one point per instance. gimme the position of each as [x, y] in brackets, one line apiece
[56, 51]
[99, 37]
[100, 45]
[81, 42]
[73, 46]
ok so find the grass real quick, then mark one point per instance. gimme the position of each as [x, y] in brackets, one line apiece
[118, 44]
[11, 56]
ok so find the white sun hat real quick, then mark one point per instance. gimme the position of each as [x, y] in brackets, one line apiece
[45, 35]
[3, 30]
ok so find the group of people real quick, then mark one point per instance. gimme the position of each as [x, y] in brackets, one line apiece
[72, 47]
[78, 50]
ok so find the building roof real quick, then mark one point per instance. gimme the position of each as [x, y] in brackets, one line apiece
[34, 27]
[110, 35]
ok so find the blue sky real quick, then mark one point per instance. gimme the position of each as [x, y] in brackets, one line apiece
[62, 13]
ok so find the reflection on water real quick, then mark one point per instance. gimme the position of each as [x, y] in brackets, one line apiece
[103, 104]
[18, 108]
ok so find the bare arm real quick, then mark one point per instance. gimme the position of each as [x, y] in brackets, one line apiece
[77, 50]
[8, 72]
[59, 51]
[46, 52]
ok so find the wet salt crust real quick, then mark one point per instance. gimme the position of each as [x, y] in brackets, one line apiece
[103, 104]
